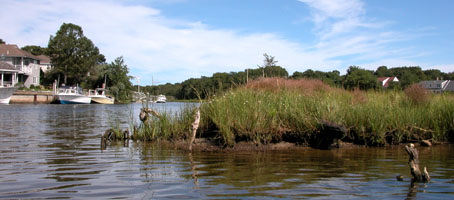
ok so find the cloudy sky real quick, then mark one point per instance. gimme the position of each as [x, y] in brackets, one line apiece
[174, 40]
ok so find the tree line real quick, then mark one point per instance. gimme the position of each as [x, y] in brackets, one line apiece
[76, 60]
[356, 77]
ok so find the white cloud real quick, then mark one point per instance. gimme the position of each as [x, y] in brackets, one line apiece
[448, 68]
[151, 44]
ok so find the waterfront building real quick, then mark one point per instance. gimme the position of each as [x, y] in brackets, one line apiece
[438, 86]
[44, 63]
[24, 63]
[8, 74]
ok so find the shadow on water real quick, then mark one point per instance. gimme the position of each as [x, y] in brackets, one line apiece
[52, 151]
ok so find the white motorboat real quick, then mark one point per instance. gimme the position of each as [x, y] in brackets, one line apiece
[161, 99]
[72, 95]
[99, 96]
[5, 94]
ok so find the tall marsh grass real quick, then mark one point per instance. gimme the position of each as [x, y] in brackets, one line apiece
[168, 126]
[276, 109]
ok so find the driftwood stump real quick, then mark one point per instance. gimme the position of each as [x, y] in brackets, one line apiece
[195, 126]
[144, 112]
[110, 136]
[413, 162]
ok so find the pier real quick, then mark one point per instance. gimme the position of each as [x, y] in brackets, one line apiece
[28, 97]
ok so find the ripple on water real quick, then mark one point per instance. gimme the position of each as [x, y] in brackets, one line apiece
[52, 151]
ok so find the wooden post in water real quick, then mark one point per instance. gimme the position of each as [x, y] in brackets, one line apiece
[413, 162]
[195, 126]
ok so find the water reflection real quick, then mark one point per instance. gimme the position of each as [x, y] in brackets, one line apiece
[52, 151]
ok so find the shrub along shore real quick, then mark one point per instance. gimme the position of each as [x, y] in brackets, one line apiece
[273, 110]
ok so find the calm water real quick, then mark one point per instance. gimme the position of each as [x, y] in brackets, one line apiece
[52, 151]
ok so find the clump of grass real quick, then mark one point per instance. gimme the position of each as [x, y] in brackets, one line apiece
[167, 126]
[116, 129]
[417, 94]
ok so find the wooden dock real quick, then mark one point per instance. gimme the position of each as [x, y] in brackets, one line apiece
[32, 97]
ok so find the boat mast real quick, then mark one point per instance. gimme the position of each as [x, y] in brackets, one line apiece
[105, 81]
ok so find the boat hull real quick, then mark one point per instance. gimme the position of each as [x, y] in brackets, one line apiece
[5, 94]
[74, 99]
[161, 99]
[102, 100]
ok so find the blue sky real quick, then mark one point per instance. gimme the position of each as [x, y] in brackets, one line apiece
[174, 40]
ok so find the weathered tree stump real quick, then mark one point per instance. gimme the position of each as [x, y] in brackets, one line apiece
[426, 143]
[195, 126]
[110, 136]
[135, 133]
[144, 112]
[413, 162]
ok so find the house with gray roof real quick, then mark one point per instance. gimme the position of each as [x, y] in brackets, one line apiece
[25, 63]
[44, 63]
[8, 74]
[438, 86]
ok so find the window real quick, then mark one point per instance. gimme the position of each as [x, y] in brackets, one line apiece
[35, 80]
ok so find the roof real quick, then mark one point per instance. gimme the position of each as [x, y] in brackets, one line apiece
[434, 84]
[4, 66]
[450, 86]
[12, 50]
[385, 80]
[44, 59]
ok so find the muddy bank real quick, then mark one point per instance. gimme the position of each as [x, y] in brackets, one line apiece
[207, 145]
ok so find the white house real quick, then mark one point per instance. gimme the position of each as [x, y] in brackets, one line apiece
[26, 64]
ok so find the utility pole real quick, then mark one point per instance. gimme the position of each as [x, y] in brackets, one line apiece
[247, 76]
[153, 82]
[137, 80]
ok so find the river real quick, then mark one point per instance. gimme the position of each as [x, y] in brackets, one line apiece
[53, 151]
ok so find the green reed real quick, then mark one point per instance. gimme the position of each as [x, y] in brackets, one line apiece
[372, 118]
[168, 126]
[288, 110]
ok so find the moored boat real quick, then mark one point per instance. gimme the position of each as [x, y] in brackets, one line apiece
[72, 95]
[8, 79]
[6, 93]
[99, 96]
[161, 99]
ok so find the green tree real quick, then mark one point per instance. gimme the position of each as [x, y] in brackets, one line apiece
[1, 41]
[408, 75]
[433, 74]
[269, 60]
[357, 77]
[332, 78]
[118, 80]
[408, 78]
[73, 55]
[35, 50]
[448, 76]
[383, 71]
